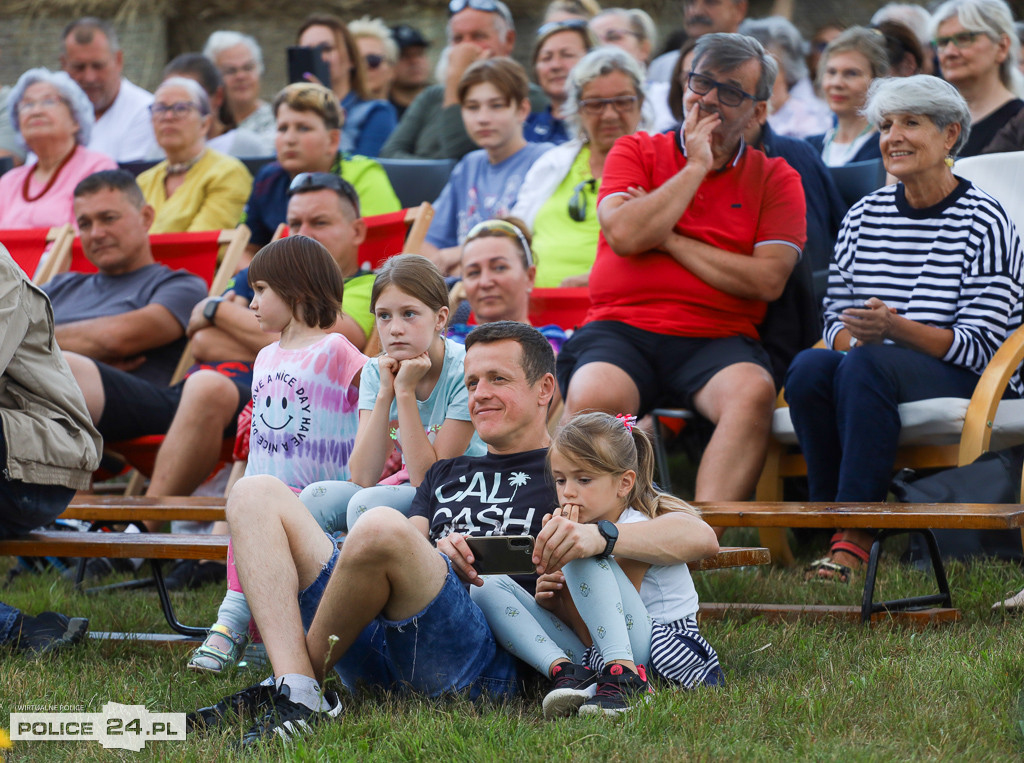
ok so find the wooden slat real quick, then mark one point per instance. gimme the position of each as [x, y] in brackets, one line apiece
[732, 557]
[117, 545]
[973, 516]
[790, 612]
[140, 508]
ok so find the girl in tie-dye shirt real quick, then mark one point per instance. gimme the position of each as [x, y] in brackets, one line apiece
[305, 395]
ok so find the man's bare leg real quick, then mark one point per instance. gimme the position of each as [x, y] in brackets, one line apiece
[386, 567]
[193, 443]
[279, 550]
[88, 377]
[739, 401]
[601, 387]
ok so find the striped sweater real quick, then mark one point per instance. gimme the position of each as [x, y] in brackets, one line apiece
[955, 265]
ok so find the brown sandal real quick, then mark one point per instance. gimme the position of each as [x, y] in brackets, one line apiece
[838, 573]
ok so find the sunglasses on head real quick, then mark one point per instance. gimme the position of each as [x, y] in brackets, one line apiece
[505, 229]
[477, 5]
[320, 181]
[555, 26]
[373, 60]
[578, 202]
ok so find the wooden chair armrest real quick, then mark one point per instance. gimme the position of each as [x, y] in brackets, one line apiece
[981, 412]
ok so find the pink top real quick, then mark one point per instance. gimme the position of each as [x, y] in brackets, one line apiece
[55, 206]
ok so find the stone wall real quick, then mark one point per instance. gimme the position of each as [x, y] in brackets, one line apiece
[150, 39]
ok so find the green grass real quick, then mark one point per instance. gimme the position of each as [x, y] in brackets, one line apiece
[808, 691]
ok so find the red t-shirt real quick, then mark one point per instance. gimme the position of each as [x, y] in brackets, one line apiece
[753, 200]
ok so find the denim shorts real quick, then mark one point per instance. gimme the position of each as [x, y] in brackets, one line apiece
[309, 597]
[445, 648]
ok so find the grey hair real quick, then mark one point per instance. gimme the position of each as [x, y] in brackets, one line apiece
[923, 95]
[727, 51]
[77, 101]
[779, 35]
[199, 96]
[993, 19]
[501, 13]
[870, 43]
[597, 63]
[85, 28]
[377, 29]
[640, 23]
[915, 17]
[223, 39]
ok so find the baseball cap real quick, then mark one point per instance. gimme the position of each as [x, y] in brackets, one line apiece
[408, 37]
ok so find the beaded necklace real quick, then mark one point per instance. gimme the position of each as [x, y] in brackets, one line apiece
[49, 184]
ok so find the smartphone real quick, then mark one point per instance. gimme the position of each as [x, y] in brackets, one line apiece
[502, 554]
[302, 59]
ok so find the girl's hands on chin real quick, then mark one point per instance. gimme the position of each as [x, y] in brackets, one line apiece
[410, 371]
[389, 368]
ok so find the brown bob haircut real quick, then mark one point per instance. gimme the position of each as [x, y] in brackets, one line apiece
[310, 97]
[342, 39]
[302, 273]
[507, 76]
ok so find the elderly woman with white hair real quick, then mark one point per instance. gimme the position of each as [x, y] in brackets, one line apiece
[978, 52]
[240, 61]
[195, 188]
[53, 118]
[924, 288]
[794, 109]
[558, 200]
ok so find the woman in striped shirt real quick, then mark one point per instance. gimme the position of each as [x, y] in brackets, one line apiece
[924, 287]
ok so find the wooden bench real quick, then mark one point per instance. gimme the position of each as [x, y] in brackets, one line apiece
[732, 557]
[115, 508]
[889, 519]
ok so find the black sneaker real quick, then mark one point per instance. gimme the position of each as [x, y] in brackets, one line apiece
[572, 686]
[618, 690]
[189, 574]
[287, 719]
[248, 702]
[49, 631]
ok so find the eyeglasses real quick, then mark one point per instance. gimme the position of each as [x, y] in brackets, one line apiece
[727, 94]
[177, 110]
[612, 36]
[960, 40]
[373, 60]
[231, 71]
[556, 26]
[502, 228]
[623, 104]
[578, 202]
[47, 102]
[305, 182]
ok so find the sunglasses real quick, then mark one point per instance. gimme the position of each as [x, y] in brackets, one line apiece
[373, 61]
[727, 94]
[960, 40]
[502, 228]
[556, 26]
[578, 202]
[477, 5]
[321, 181]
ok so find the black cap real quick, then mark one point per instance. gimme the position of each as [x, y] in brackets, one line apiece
[408, 37]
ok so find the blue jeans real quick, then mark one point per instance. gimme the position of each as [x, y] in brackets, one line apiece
[844, 408]
[24, 507]
[445, 648]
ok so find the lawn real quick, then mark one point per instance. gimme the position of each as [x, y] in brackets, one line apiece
[805, 691]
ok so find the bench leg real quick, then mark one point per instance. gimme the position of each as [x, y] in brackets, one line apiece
[165, 603]
[870, 607]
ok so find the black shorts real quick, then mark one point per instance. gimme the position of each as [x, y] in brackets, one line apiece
[135, 407]
[667, 370]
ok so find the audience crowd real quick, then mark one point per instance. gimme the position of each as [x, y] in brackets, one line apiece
[692, 190]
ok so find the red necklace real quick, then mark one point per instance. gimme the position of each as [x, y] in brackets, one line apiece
[49, 184]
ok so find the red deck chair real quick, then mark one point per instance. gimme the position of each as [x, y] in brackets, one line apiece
[28, 246]
[198, 253]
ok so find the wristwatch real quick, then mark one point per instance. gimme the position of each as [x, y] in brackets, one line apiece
[210, 311]
[610, 533]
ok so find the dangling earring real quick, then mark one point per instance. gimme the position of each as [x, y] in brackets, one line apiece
[949, 161]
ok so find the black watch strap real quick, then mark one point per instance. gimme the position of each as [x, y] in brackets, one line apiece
[610, 533]
[210, 311]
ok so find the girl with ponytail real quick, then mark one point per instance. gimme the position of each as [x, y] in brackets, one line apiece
[611, 622]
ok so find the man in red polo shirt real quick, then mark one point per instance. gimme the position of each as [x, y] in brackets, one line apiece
[698, 234]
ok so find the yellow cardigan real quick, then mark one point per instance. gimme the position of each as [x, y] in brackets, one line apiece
[211, 198]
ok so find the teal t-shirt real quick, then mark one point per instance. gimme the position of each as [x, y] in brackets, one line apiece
[448, 400]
